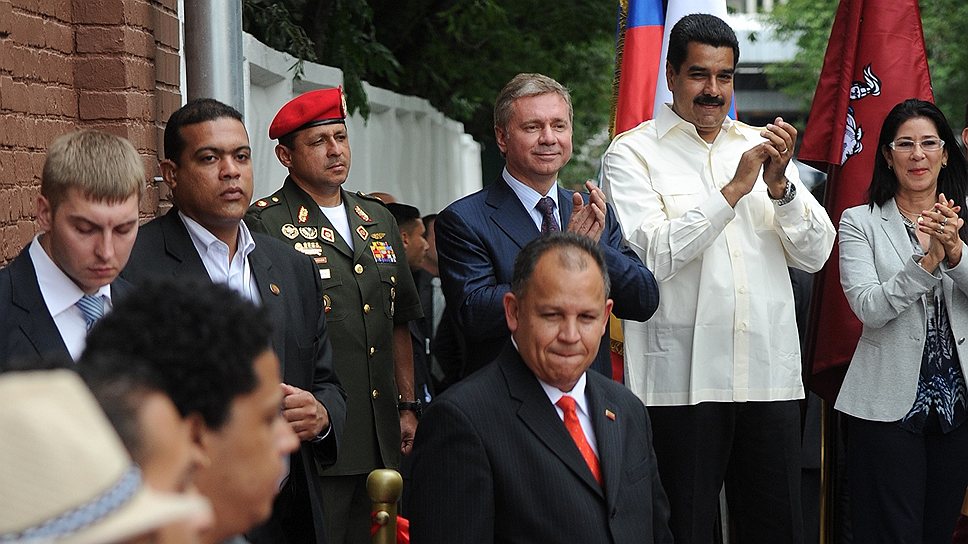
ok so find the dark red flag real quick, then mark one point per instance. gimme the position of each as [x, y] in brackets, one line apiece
[875, 58]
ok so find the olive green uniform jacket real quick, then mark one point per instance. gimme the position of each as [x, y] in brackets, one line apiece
[366, 291]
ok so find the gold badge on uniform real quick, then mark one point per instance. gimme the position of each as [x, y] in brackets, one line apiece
[275, 199]
[359, 211]
[327, 235]
[321, 260]
[290, 231]
[303, 214]
[274, 288]
[313, 249]
[308, 232]
[327, 303]
[378, 235]
[362, 232]
[262, 203]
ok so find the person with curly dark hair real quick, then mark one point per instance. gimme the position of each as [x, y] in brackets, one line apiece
[210, 348]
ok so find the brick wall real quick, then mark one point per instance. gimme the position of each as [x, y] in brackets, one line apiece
[66, 64]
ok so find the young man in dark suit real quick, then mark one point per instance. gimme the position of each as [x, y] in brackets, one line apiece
[58, 286]
[532, 448]
[208, 167]
[479, 235]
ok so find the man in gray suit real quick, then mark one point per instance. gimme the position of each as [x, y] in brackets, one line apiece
[550, 452]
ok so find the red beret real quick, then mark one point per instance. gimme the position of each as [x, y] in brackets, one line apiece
[320, 107]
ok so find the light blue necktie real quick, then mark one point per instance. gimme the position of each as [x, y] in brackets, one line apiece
[92, 306]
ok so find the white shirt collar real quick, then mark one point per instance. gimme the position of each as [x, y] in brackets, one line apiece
[58, 289]
[529, 197]
[554, 394]
[203, 239]
[667, 119]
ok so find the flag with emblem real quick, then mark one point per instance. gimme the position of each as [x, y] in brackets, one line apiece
[875, 59]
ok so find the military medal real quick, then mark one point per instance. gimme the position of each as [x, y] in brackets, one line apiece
[290, 231]
[321, 260]
[303, 214]
[327, 304]
[378, 235]
[359, 211]
[383, 252]
[308, 232]
[362, 232]
[313, 249]
[262, 204]
[327, 235]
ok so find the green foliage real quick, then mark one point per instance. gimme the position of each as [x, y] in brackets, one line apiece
[457, 53]
[945, 25]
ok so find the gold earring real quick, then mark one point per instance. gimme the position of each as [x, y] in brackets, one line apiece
[944, 165]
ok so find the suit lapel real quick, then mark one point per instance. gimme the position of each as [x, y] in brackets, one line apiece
[37, 326]
[509, 214]
[269, 292]
[540, 417]
[608, 435]
[178, 244]
[896, 232]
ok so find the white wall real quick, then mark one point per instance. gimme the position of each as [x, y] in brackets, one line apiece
[406, 147]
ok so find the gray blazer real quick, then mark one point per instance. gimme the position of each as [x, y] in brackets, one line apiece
[884, 284]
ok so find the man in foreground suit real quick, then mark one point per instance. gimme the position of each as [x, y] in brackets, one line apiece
[478, 236]
[532, 448]
[208, 166]
[88, 214]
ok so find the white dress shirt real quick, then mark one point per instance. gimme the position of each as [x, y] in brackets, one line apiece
[529, 199]
[237, 274]
[60, 295]
[581, 407]
[725, 329]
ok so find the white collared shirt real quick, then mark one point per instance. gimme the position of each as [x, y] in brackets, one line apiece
[725, 329]
[529, 199]
[237, 273]
[60, 295]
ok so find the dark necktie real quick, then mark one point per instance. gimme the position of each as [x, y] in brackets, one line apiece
[567, 405]
[92, 307]
[549, 223]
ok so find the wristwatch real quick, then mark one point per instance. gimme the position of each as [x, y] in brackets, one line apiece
[789, 192]
[414, 406]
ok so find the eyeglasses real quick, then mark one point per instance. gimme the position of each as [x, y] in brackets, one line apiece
[928, 145]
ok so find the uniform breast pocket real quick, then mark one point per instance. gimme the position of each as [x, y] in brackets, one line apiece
[679, 192]
[388, 287]
[334, 306]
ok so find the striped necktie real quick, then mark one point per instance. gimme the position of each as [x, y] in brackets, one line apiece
[92, 307]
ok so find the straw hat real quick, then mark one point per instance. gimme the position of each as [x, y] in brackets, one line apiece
[65, 477]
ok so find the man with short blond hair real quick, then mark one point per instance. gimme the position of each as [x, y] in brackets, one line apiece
[55, 290]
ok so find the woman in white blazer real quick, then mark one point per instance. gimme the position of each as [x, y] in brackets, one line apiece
[902, 269]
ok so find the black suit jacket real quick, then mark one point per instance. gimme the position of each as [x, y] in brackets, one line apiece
[27, 330]
[493, 463]
[478, 238]
[290, 290]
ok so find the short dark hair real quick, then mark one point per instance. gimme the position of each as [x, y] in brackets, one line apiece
[405, 214]
[952, 180]
[195, 111]
[121, 385]
[699, 28]
[571, 247]
[201, 338]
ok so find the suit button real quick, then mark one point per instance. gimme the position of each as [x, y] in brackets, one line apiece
[372, 351]
[358, 268]
[375, 394]
[366, 308]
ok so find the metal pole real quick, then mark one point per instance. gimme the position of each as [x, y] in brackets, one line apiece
[384, 487]
[213, 51]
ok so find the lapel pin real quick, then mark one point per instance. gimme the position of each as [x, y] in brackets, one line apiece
[274, 288]
[610, 414]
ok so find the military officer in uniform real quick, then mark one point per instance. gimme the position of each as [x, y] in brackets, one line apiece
[369, 297]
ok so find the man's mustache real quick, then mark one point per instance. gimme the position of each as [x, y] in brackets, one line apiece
[707, 100]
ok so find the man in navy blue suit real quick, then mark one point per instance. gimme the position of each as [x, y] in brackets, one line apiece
[479, 236]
